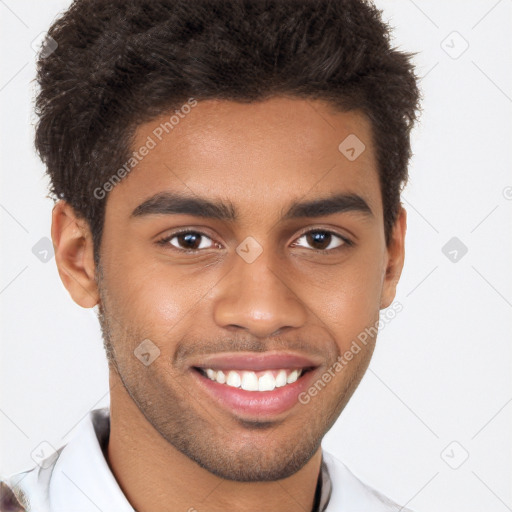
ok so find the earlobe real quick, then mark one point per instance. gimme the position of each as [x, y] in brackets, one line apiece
[396, 257]
[74, 254]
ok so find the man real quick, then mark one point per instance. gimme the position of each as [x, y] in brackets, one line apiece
[228, 177]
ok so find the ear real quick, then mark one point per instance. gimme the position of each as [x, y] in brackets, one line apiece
[395, 259]
[74, 255]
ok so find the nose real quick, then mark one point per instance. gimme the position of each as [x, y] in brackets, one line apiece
[257, 297]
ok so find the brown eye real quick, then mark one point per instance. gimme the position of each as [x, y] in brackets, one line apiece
[322, 240]
[188, 241]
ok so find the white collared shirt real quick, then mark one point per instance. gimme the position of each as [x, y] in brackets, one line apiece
[77, 478]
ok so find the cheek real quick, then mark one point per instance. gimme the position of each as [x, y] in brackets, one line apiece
[159, 299]
[347, 299]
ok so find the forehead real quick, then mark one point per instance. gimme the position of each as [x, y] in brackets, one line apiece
[255, 154]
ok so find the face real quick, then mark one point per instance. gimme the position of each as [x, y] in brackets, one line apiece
[244, 246]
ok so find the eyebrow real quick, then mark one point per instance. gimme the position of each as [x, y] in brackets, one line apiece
[172, 203]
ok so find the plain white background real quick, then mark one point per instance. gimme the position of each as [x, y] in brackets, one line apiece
[430, 423]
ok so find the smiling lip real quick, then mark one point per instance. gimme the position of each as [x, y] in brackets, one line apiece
[254, 405]
[256, 362]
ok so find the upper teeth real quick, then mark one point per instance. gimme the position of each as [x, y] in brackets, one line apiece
[249, 381]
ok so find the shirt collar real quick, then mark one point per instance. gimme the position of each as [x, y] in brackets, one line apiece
[82, 476]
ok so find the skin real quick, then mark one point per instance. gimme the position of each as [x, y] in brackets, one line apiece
[171, 447]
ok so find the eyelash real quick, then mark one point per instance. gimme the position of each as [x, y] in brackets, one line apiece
[346, 242]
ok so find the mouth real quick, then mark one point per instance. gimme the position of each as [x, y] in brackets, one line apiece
[265, 380]
[255, 386]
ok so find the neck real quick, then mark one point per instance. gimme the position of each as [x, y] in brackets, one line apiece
[153, 475]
